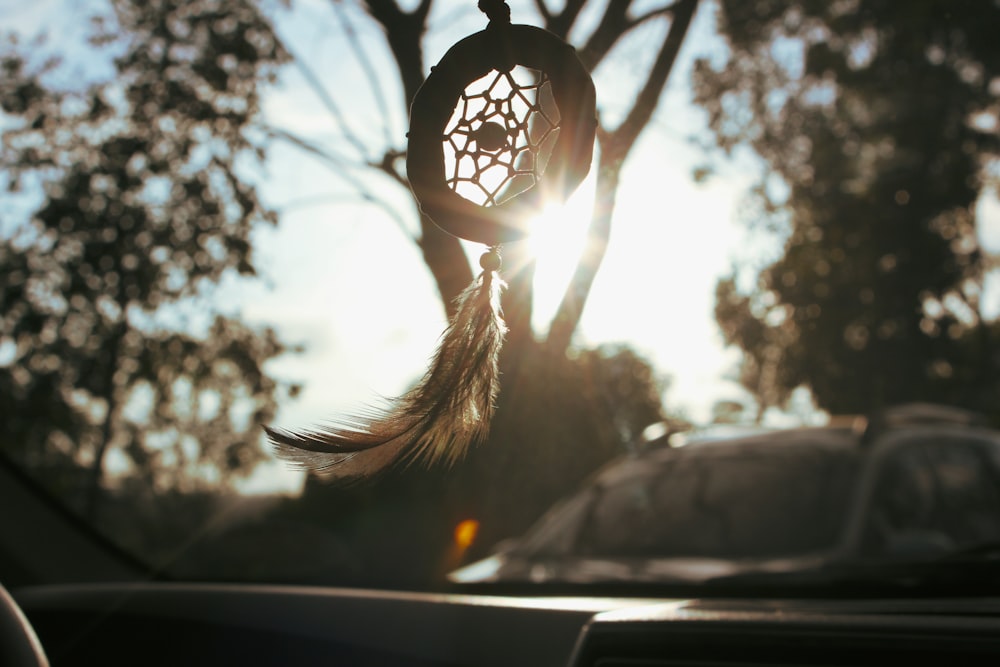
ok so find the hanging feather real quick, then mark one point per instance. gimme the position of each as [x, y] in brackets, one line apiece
[439, 419]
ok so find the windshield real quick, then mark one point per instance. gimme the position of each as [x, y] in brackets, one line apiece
[291, 291]
[752, 505]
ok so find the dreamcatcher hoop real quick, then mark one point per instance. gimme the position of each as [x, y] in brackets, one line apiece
[500, 47]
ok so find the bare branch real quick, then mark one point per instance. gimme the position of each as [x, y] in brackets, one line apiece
[442, 252]
[388, 166]
[574, 299]
[327, 100]
[622, 139]
[342, 168]
[615, 24]
[319, 200]
[326, 156]
[544, 11]
[403, 32]
[422, 10]
[615, 147]
[362, 57]
[611, 27]
[651, 14]
[562, 23]
[389, 10]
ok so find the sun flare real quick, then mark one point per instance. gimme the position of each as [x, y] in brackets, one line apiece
[557, 237]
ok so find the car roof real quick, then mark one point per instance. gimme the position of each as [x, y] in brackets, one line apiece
[729, 442]
[842, 434]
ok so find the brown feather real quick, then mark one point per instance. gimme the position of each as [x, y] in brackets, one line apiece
[435, 422]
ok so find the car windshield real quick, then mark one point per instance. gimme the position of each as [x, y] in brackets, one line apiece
[353, 292]
[747, 505]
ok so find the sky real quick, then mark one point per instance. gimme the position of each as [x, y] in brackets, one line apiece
[344, 278]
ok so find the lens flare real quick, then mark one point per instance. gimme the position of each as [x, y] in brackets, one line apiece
[465, 533]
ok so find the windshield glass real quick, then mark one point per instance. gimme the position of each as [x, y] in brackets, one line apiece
[292, 291]
[753, 505]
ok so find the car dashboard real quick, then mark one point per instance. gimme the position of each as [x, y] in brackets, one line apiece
[781, 633]
[212, 624]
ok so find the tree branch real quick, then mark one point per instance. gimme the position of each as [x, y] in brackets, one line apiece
[442, 252]
[615, 24]
[318, 200]
[562, 23]
[327, 100]
[339, 166]
[387, 165]
[624, 137]
[403, 31]
[611, 27]
[651, 14]
[542, 9]
[570, 310]
[614, 149]
[362, 57]
[447, 262]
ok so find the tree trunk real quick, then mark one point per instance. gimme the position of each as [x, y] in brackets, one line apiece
[446, 261]
[571, 308]
[519, 274]
[94, 478]
[404, 31]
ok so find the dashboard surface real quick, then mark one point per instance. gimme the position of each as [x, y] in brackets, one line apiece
[212, 624]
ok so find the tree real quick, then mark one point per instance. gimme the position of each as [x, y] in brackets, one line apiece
[877, 126]
[114, 347]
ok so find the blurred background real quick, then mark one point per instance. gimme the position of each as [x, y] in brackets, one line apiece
[206, 227]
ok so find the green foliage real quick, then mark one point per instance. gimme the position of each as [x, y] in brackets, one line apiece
[876, 123]
[113, 349]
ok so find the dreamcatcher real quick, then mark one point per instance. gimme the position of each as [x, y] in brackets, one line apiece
[503, 126]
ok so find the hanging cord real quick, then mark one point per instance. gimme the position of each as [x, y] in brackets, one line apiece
[497, 11]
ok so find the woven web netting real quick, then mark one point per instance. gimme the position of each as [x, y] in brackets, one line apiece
[501, 135]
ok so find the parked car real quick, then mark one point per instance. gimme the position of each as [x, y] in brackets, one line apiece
[917, 484]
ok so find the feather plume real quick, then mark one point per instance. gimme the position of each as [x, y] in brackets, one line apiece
[437, 421]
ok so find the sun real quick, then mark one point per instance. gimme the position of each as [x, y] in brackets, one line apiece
[556, 240]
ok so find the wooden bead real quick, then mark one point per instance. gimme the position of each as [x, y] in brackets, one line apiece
[490, 261]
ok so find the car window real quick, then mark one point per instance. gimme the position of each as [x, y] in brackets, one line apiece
[934, 496]
[737, 506]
